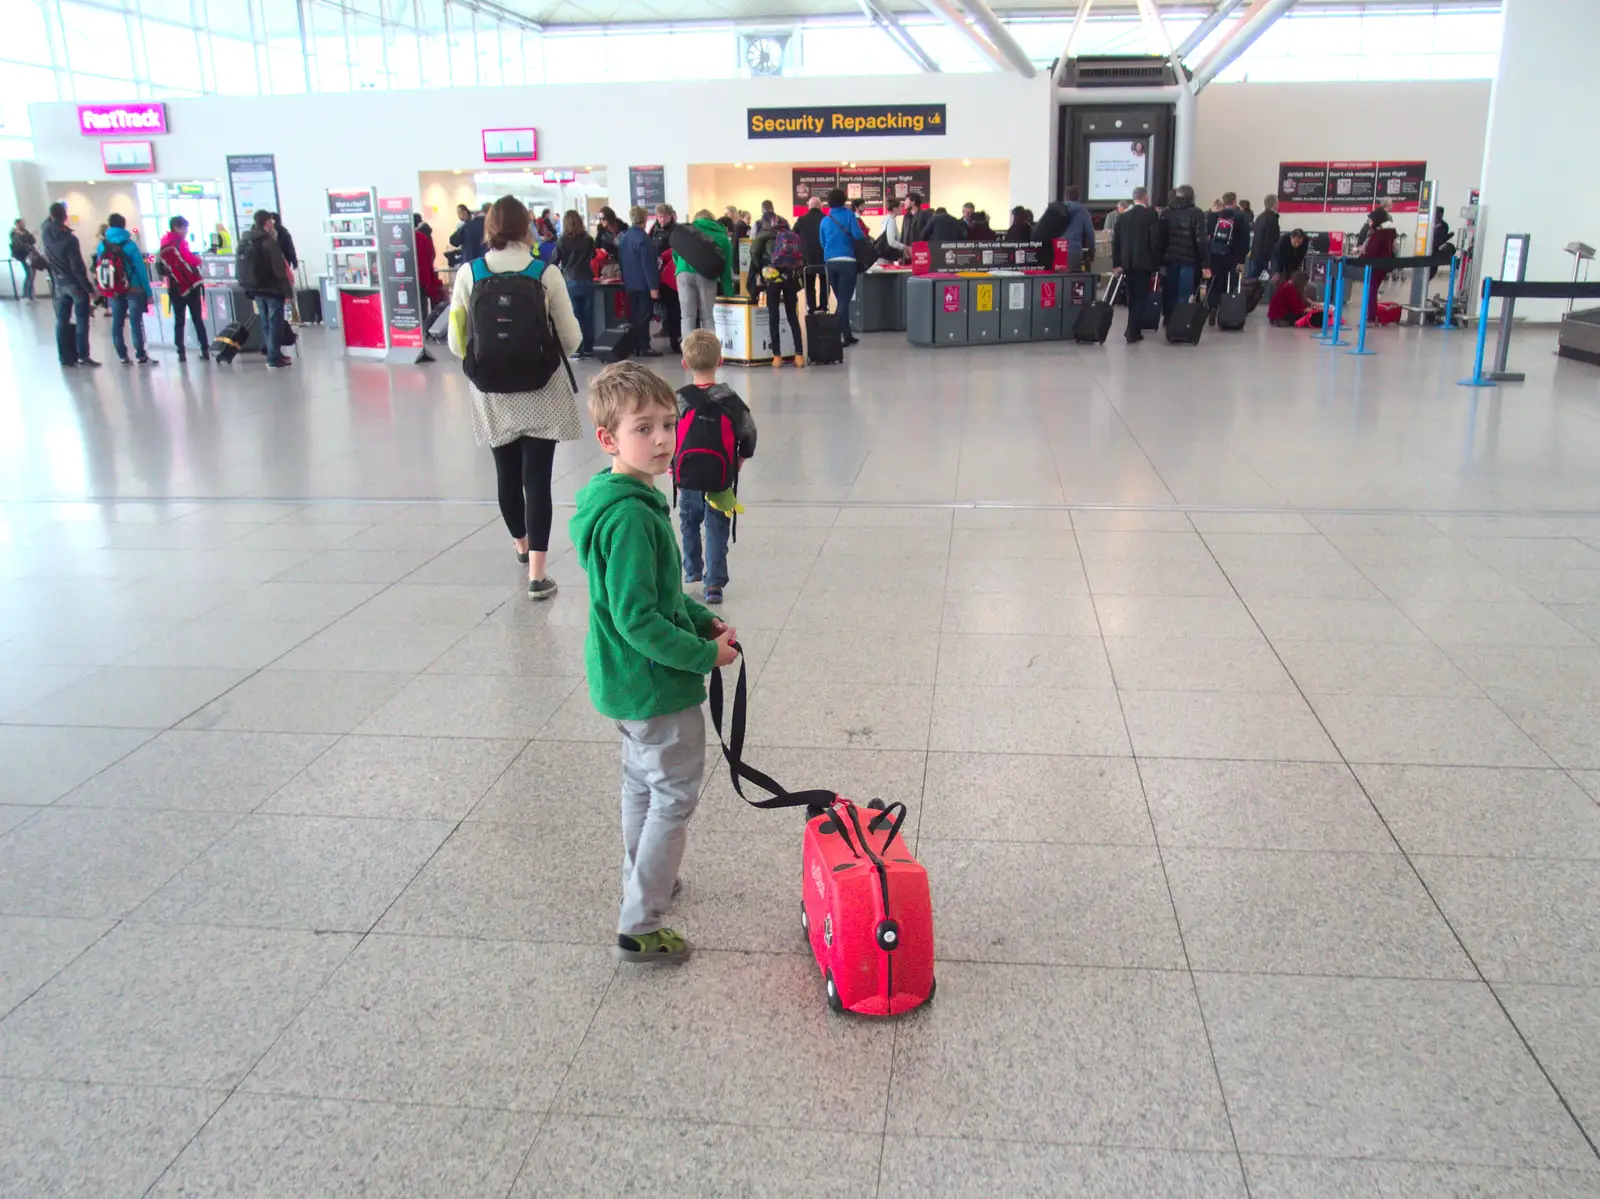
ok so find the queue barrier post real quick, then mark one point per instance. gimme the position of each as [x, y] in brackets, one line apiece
[1450, 301]
[1338, 309]
[1477, 379]
[1361, 333]
[1323, 334]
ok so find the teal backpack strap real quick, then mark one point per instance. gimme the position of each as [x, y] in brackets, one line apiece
[480, 270]
[534, 269]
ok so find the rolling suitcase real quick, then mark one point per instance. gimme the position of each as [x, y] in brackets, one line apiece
[308, 303]
[616, 344]
[824, 339]
[1150, 314]
[439, 323]
[1094, 321]
[865, 905]
[67, 344]
[230, 341]
[1253, 294]
[1234, 309]
[1187, 322]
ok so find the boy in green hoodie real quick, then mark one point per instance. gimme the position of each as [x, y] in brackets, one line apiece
[649, 647]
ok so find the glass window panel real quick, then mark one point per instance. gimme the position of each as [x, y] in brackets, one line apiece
[511, 74]
[19, 87]
[953, 51]
[288, 71]
[1467, 33]
[332, 71]
[1465, 66]
[26, 38]
[97, 42]
[405, 72]
[841, 50]
[179, 12]
[235, 63]
[367, 69]
[15, 147]
[487, 47]
[1123, 35]
[435, 54]
[228, 17]
[705, 54]
[532, 57]
[1041, 41]
[1396, 66]
[463, 53]
[430, 15]
[572, 59]
[1396, 33]
[278, 19]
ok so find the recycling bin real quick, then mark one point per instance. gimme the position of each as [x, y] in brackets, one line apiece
[1016, 309]
[983, 316]
[1047, 302]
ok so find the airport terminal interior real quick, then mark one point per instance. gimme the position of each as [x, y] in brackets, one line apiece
[1243, 696]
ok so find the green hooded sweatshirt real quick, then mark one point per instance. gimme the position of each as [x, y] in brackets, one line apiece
[647, 653]
[718, 234]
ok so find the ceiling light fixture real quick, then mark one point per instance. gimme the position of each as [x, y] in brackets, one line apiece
[966, 162]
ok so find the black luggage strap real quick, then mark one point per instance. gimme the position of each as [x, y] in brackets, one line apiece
[733, 749]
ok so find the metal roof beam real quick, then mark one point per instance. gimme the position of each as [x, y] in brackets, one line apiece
[1072, 36]
[1251, 26]
[885, 20]
[1203, 30]
[957, 20]
[995, 30]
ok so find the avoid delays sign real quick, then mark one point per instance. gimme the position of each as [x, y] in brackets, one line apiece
[863, 120]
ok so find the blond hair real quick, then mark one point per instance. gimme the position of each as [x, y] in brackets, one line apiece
[701, 350]
[624, 388]
[704, 215]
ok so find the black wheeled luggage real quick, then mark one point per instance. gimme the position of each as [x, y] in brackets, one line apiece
[1187, 322]
[1094, 321]
[67, 344]
[824, 339]
[308, 303]
[230, 341]
[1234, 308]
[616, 344]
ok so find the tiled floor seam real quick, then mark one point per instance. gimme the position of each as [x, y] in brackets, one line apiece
[1172, 903]
[1417, 874]
[57, 974]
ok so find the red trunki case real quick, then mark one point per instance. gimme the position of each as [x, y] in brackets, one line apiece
[867, 910]
[865, 903]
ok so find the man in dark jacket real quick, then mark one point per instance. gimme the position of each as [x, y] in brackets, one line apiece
[1134, 257]
[1080, 228]
[641, 278]
[671, 306]
[70, 276]
[1229, 247]
[1290, 254]
[470, 237]
[1184, 252]
[1265, 239]
[808, 229]
[264, 276]
[943, 227]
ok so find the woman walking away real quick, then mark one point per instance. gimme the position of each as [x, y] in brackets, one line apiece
[1379, 243]
[840, 230]
[184, 286]
[783, 263]
[513, 333]
[24, 249]
[575, 257]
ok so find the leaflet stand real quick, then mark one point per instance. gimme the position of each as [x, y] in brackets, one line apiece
[1478, 379]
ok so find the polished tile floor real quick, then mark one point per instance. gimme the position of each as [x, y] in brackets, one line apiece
[1246, 698]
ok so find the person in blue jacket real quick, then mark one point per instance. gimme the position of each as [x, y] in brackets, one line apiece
[641, 278]
[128, 304]
[840, 229]
[1080, 227]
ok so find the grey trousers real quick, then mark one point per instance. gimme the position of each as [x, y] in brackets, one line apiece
[698, 295]
[663, 768]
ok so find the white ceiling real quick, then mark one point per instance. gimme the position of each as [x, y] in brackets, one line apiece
[756, 12]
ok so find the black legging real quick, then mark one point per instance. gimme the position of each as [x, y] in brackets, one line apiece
[784, 294]
[523, 468]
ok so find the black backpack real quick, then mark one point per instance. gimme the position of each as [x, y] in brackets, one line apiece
[1222, 235]
[702, 254]
[247, 264]
[511, 341]
[707, 458]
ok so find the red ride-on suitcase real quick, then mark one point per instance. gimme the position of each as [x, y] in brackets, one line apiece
[867, 910]
[865, 903]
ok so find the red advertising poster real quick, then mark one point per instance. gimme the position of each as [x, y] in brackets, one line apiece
[812, 181]
[864, 184]
[1047, 294]
[900, 182]
[1400, 185]
[397, 266]
[1351, 186]
[921, 258]
[1302, 186]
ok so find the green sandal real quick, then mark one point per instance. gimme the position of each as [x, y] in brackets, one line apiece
[664, 945]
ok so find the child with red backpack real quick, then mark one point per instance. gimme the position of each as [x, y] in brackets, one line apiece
[716, 433]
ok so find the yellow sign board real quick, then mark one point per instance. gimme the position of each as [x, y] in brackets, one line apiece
[984, 300]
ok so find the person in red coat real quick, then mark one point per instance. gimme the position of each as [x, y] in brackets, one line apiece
[1288, 303]
[427, 272]
[1379, 243]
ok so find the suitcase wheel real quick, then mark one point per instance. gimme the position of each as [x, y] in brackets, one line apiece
[834, 1002]
[933, 988]
[877, 805]
[805, 921]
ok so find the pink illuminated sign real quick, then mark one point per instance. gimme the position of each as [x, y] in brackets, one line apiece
[140, 116]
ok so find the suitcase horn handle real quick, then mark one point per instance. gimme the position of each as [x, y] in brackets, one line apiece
[733, 749]
[894, 819]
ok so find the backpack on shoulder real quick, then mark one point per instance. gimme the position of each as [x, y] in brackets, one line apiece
[111, 272]
[786, 254]
[707, 458]
[511, 340]
[1222, 236]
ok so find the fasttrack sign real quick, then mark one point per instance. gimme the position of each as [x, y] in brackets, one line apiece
[862, 120]
[97, 120]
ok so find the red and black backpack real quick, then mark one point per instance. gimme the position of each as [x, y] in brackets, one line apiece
[708, 449]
